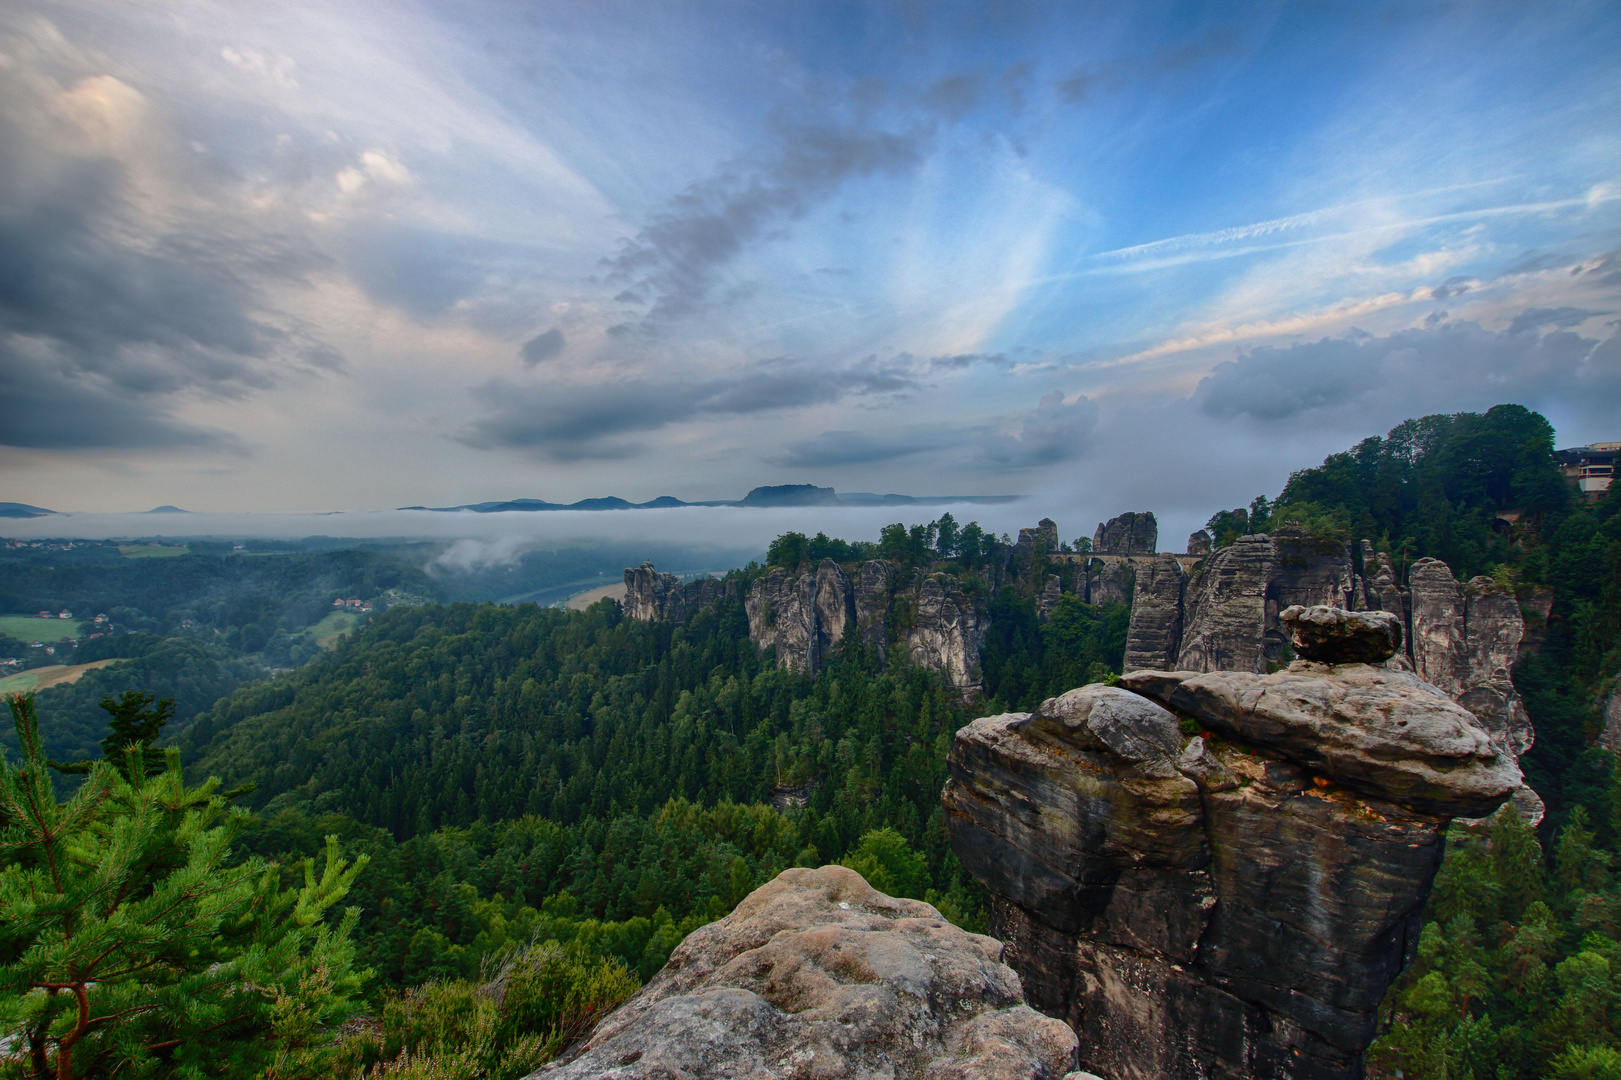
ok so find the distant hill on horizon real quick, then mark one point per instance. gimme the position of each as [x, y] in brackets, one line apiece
[777, 495]
[23, 510]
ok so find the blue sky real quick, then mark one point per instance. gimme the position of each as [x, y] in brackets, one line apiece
[315, 257]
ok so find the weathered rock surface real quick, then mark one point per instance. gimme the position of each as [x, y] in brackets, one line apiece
[1225, 614]
[1109, 580]
[1154, 636]
[1199, 543]
[1232, 908]
[946, 632]
[872, 594]
[1332, 635]
[1128, 534]
[1438, 654]
[1044, 535]
[650, 595]
[1383, 733]
[805, 618]
[818, 975]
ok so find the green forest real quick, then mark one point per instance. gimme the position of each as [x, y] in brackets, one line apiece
[556, 798]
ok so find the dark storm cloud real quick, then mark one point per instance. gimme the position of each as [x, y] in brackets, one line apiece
[671, 264]
[1456, 365]
[542, 347]
[577, 423]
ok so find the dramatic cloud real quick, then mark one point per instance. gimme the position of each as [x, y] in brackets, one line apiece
[1452, 366]
[585, 422]
[124, 283]
[671, 263]
[542, 347]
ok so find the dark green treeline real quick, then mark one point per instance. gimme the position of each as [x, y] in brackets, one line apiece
[509, 764]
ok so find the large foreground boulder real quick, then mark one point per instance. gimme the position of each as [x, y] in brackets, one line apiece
[818, 975]
[1218, 875]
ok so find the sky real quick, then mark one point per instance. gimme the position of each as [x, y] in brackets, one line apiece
[299, 258]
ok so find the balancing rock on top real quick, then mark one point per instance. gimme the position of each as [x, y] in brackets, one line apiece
[1332, 635]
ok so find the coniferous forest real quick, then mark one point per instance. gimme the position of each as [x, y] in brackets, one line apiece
[554, 799]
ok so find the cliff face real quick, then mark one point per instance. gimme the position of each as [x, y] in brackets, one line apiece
[1232, 907]
[817, 974]
[804, 617]
[1461, 638]
[651, 595]
[1154, 636]
[1225, 617]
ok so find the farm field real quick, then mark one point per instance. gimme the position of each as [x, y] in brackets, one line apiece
[327, 632]
[43, 678]
[33, 628]
[147, 551]
[581, 601]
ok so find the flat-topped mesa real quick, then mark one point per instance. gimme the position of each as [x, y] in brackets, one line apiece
[1233, 904]
[817, 974]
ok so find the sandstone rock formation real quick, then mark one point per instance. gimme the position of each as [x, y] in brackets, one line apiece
[817, 974]
[1333, 635]
[1154, 636]
[1199, 543]
[802, 616]
[1128, 534]
[946, 632]
[1228, 907]
[1465, 640]
[1109, 580]
[805, 617]
[1225, 617]
[1045, 534]
[650, 595]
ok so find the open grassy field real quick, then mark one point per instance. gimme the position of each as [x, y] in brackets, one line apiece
[147, 551]
[43, 678]
[334, 626]
[581, 601]
[32, 628]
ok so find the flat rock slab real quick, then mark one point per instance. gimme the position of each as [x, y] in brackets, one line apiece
[1385, 733]
[818, 975]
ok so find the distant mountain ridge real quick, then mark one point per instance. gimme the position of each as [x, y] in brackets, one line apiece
[22, 510]
[771, 495]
